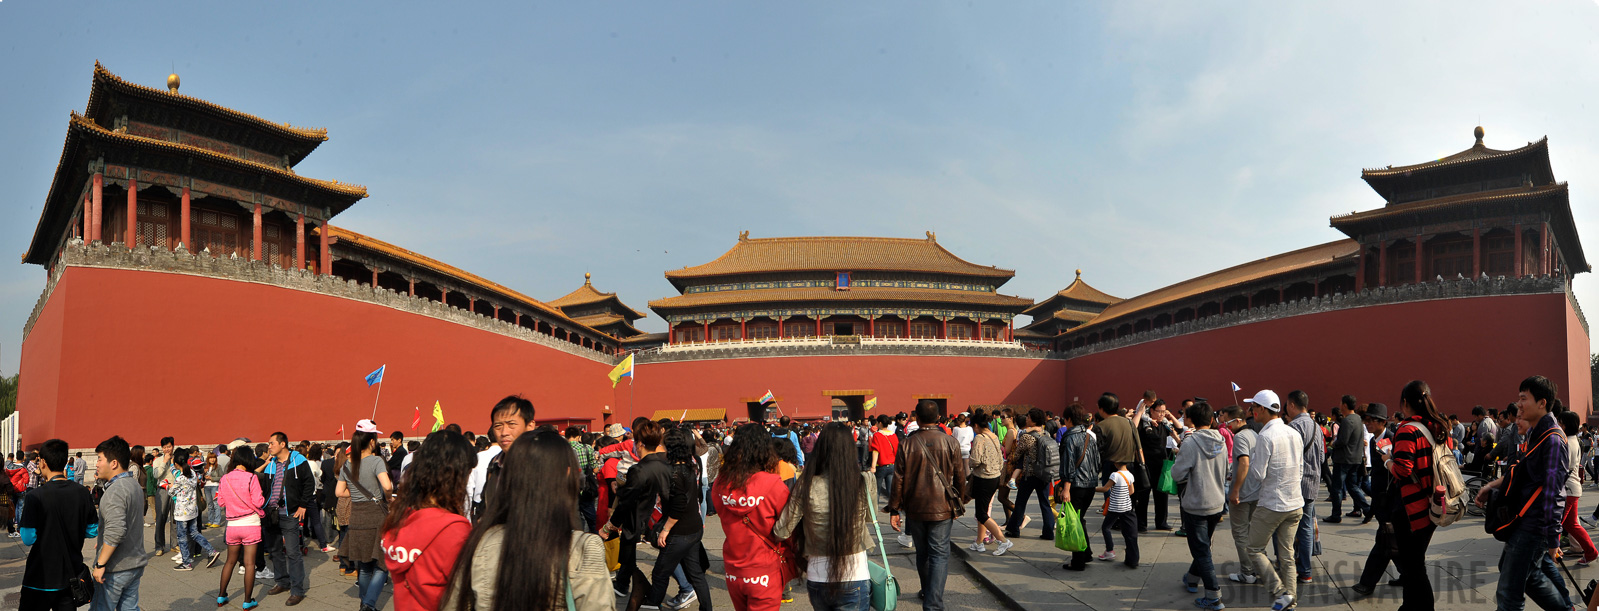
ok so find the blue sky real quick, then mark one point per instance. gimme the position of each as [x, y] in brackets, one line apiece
[1143, 142]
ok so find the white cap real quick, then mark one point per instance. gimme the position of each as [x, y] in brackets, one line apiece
[1268, 400]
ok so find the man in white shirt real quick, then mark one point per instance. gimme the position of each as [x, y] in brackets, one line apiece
[1278, 463]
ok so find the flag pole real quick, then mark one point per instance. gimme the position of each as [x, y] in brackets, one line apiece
[1235, 394]
[375, 399]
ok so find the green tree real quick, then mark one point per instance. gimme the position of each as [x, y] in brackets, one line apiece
[8, 394]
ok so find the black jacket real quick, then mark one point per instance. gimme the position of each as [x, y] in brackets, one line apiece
[647, 481]
[299, 486]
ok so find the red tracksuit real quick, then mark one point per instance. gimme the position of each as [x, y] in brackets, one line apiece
[752, 567]
[421, 555]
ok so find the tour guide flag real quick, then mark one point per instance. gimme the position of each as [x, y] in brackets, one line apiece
[376, 376]
[416, 421]
[438, 416]
[870, 403]
[623, 369]
[1235, 386]
[767, 398]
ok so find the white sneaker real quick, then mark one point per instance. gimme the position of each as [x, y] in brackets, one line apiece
[905, 541]
[241, 569]
[1283, 603]
[977, 547]
[1242, 578]
[1004, 546]
[1107, 556]
[177, 559]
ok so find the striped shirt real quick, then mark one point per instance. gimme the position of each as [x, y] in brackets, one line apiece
[1411, 467]
[1119, 498]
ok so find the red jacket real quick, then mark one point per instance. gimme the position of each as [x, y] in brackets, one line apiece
[748, 551]
[421, 555]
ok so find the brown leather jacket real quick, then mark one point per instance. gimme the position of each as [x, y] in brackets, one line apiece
[917, 489]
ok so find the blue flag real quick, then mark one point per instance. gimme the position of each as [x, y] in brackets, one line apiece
[376, 376]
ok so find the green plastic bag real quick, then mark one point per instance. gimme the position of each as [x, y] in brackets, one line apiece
[1069, 535]
[1165, 484]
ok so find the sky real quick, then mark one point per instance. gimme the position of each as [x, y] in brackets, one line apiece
[1142, 142]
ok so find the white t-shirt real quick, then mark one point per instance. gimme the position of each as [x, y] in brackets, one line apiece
[964, 436]
[1118, 498]
[1367, 448]
[480, 474]
[855, 568]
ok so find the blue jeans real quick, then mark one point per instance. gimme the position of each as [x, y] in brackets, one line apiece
[1199, 528]
[1348, 478]
[846, 596]
[189, 537]
[1305, 538]
[119, 592]
[885, 479]
[932, 559]
[213, 514]
[287, 564]
[369, 580]
[1024, 487]
[1526, 571]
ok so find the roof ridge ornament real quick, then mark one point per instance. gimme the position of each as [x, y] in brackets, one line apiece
[1478, 133]
[587, 279]
[932, 236]
[744, 236]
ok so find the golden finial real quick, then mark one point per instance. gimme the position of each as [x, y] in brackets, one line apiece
[1478, 133]
[1079, 274]
[586, 277]
[172, 82]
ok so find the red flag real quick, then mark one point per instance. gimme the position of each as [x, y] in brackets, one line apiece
[341, 431]
[417, 421]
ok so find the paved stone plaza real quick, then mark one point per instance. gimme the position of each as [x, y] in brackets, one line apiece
[1462, 560]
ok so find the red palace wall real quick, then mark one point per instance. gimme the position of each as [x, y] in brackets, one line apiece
[1471, 351]
[798, 383]
[146, 354]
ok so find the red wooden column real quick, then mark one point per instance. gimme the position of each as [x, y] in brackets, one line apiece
[88, 218]
[471, 302]
[743, 328]
[671, 333]
[132, 238]
[325, 257]
[1543, 250]
[871, 326]
[1476, 253]
[518, 315]
[183, 220]
[374, 278]
[255, 246]
[299, 241]
[1520, 256]
[707, 331]
[780, 326]
[943, 328]
[1421, 252]
[496, 314]
[1010, 331]
[99, 181]
[1382, 263]
[410, 289]
[818, 326]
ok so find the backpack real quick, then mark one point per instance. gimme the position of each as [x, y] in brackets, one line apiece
[1046, 455]
[1446, 473]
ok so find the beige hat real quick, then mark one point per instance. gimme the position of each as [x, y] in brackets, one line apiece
[614, 431]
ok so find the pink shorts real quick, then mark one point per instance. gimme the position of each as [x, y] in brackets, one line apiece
[243, 535]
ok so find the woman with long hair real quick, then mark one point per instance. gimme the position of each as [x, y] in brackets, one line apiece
[213, 477]
[240, 498]
[987, 464]
[831, 512]
[425, 529]
[1411, 467]
[681, 533]
[550, 560]
[364, 480]
[748, 496]
[186, 482]
[339, 507]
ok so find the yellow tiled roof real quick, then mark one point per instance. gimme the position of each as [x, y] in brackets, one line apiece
[843, 254]
[102, 75]
[824, 295]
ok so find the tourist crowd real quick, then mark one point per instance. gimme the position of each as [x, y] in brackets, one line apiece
[531, 517]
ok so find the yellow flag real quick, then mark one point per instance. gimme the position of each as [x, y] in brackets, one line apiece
[870, 403]
[438, 416]
[623, 369]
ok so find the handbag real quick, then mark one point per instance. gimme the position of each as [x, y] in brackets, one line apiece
[786, 568]
[885, 589]
[1165, 483]
[1069, 535]
[80, 587]
[956, 506]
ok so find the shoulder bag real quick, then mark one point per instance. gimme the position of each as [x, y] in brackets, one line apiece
[885, 589]
[956, 507]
